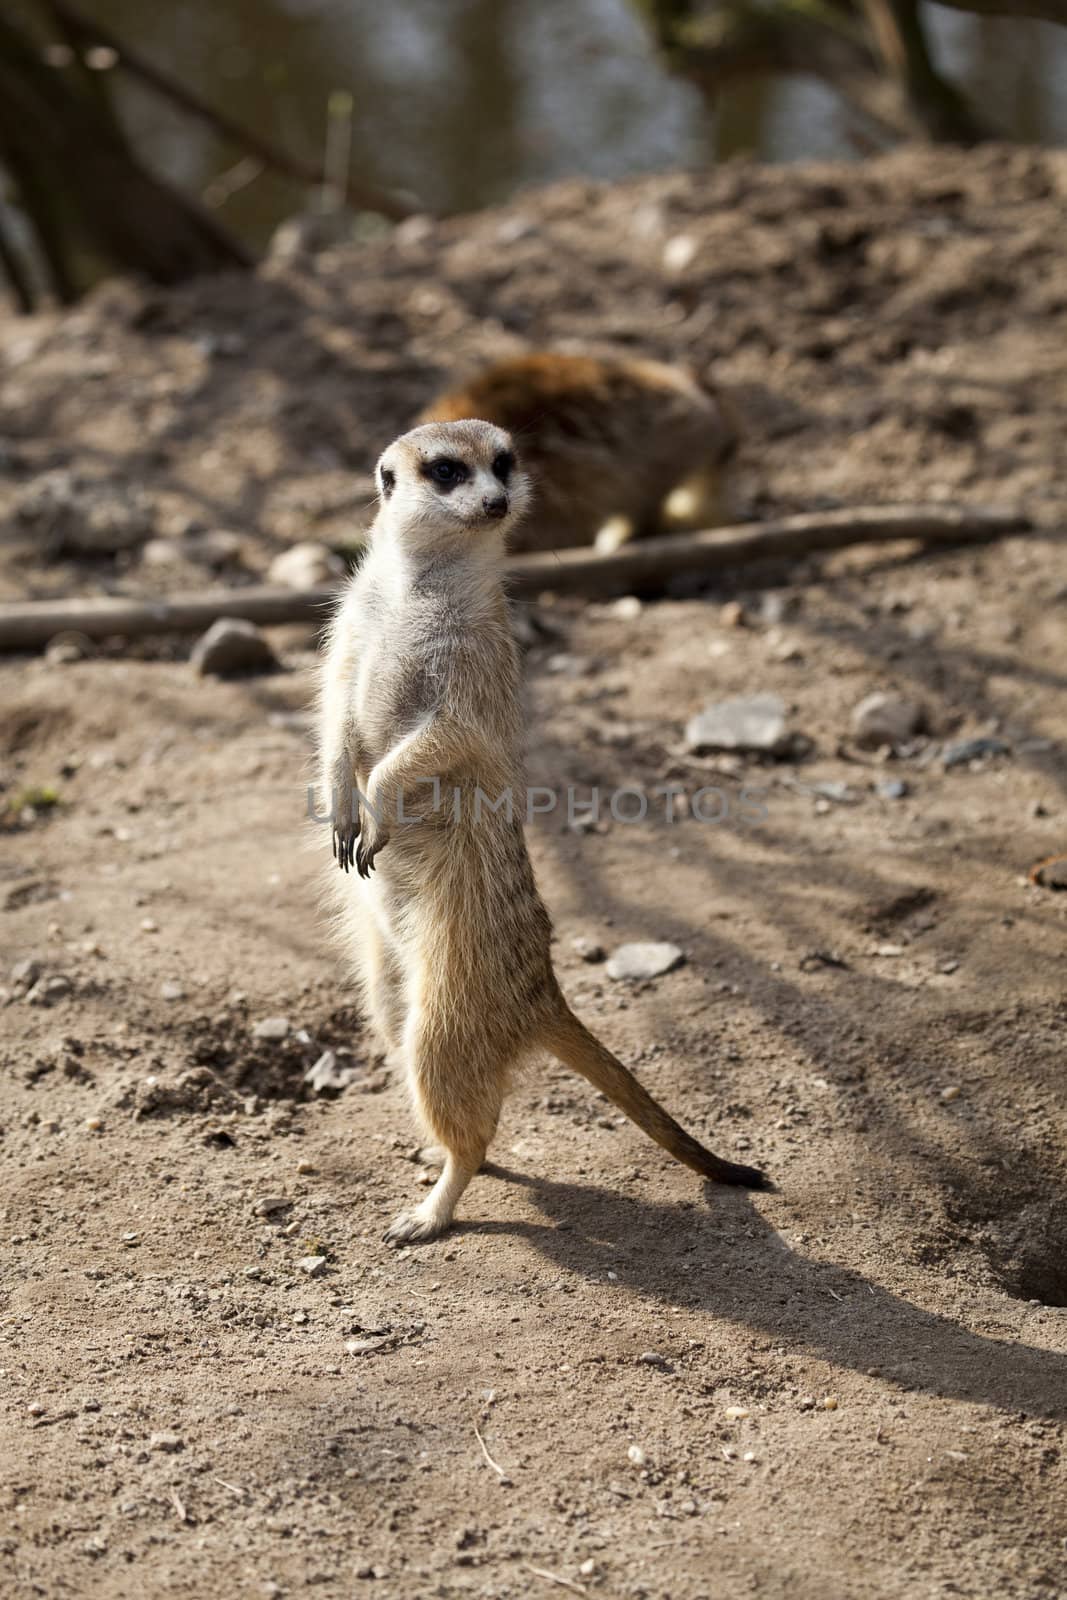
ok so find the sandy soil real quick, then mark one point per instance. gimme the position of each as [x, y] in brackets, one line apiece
[854, 1387]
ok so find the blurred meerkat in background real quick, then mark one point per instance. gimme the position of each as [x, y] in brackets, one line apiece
[617, 447]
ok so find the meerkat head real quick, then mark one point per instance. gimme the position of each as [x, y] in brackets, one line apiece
[452, 478]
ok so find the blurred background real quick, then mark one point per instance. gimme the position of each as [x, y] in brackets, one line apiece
[453, 106]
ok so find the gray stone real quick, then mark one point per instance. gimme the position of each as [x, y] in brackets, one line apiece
[312, 1266]
[231, 646]
[840, 793]
[168, 1443]
[886, 719]
[327, 1076]
[891, 789]
[632, 962]
[272, 1028]
[305, 566]
[587, 949]
[269, 1204]
[46, 991]
[26, 972]
[965, 750]
[67, 647]
[750, 722]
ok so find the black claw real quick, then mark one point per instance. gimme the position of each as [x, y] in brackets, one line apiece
[344, 850]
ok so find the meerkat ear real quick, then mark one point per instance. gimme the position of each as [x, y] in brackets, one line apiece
[388, 478]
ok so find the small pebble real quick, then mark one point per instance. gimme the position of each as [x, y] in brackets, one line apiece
[167, 1443]
[231, 647]
[886, 720]
[271, 1203]
[636, 1456]
[748, 722]
[830, 1403]
[952, 1092]
[632, 962]
[313, 1266]
[736, 1413]
[171, 991]
[963, 751]
[149, 925]
[94, 1124]
[272, 1028]
[36, 1409]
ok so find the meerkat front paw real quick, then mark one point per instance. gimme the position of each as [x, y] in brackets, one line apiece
[345, 834]
[346, 819]
[373, 839]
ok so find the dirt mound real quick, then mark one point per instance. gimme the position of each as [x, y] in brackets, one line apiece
[882, 329]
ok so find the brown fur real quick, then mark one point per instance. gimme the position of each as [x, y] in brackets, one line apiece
[606, 441]
[443, 919]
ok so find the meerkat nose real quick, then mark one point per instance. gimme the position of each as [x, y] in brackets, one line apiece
[495, 505]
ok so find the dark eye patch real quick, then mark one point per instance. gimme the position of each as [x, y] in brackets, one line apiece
[445, 472]
[388, 481]
[503, 465]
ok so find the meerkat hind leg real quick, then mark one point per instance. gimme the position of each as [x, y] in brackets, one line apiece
[433, 1215]
[461, 1116]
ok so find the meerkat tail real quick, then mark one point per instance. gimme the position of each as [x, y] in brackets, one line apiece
[580, 1050]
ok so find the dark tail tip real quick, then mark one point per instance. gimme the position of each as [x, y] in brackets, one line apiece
[741, 1177]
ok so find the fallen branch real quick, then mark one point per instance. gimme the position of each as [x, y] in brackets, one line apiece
[642, 567]
[647, 564]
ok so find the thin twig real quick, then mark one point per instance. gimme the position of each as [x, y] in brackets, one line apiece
[182, 1514]
[552, 1577]
[501, 1474]
[233, 1488]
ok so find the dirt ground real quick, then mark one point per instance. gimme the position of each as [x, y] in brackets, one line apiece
[603, 1377]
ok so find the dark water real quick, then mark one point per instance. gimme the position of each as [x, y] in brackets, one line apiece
[461, 101]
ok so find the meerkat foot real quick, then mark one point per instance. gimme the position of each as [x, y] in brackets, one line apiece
[433, 1215]
[419, 1224]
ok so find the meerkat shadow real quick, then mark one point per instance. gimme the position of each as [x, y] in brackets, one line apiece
[726, 1261]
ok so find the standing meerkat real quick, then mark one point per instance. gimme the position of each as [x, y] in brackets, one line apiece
[420, 737]
[618, 447]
